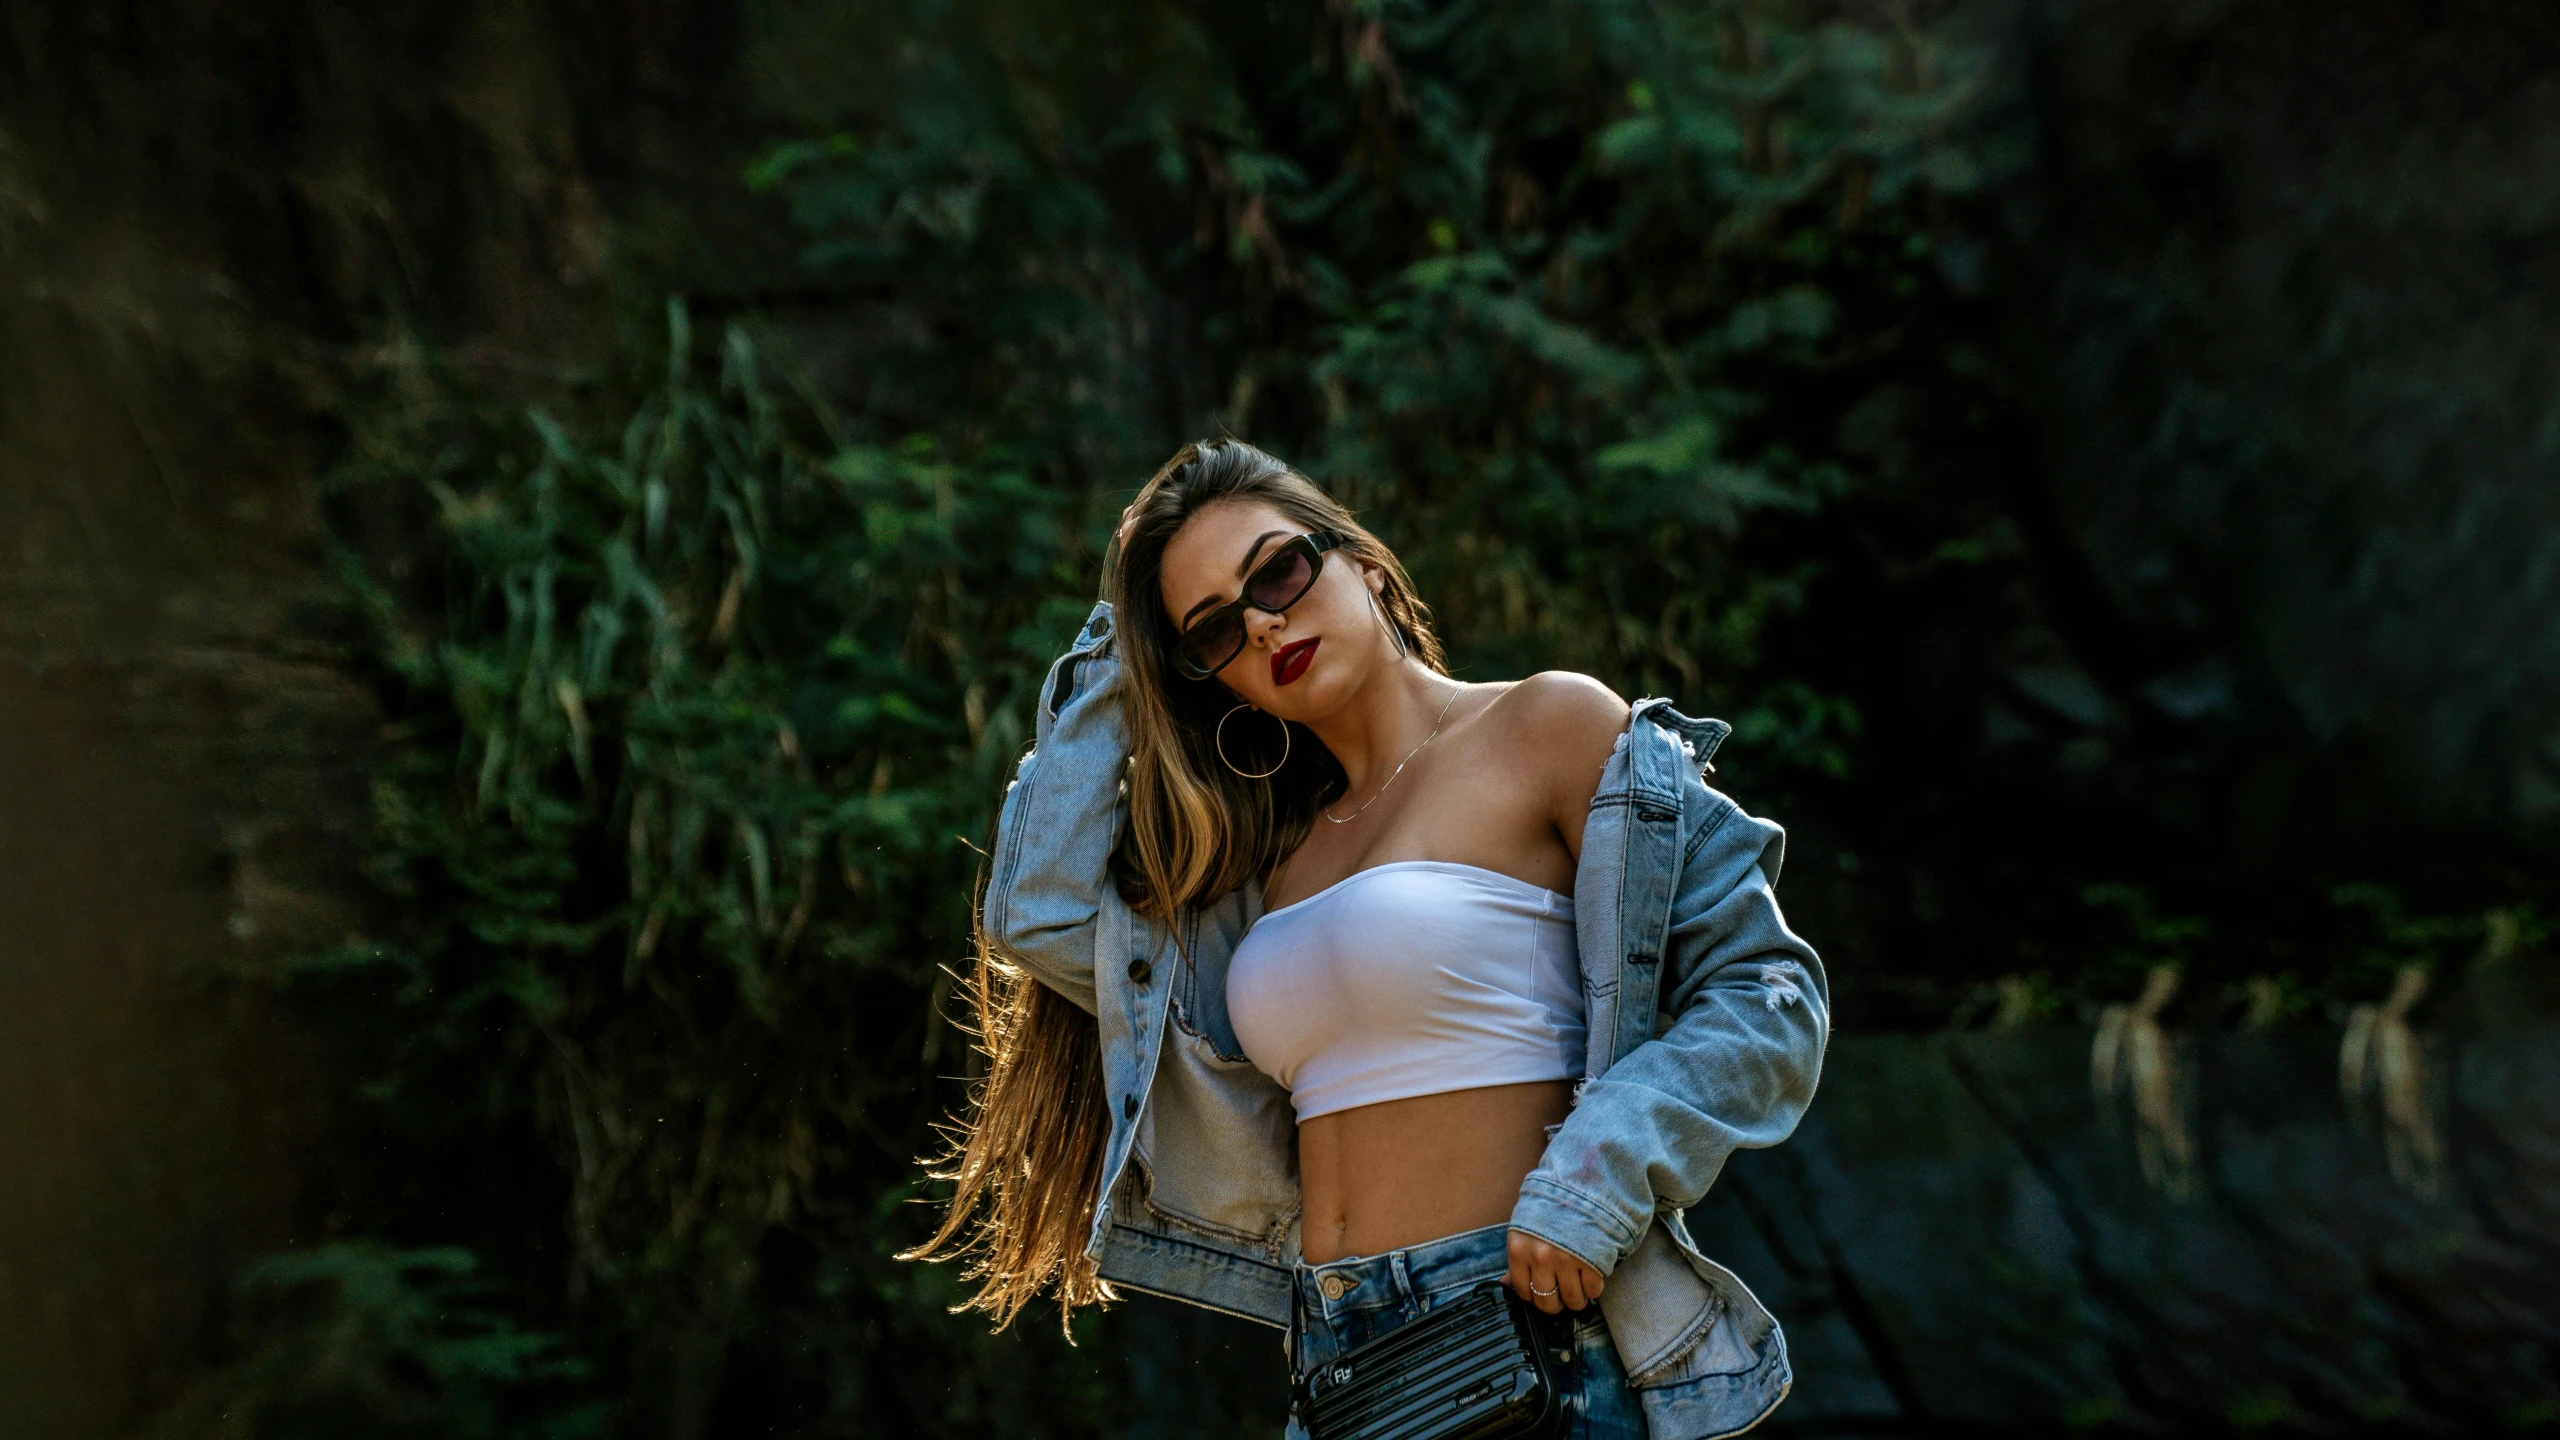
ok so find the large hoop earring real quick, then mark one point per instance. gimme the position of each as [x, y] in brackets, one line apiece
[1240, 770]
[1395, 636]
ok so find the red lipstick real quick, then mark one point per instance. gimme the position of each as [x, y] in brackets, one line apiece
[1291, 661]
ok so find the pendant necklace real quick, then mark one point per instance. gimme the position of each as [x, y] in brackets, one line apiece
[1407, 760]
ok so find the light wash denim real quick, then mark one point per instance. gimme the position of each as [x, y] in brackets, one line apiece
[1372, 1295]
[1707, 1020]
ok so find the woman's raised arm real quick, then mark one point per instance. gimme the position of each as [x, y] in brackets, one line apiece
[1061, 816]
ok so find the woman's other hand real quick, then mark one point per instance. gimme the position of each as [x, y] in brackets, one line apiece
[1553, 1280]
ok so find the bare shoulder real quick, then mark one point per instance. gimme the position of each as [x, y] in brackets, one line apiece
[1563, 725]
[1564, 704]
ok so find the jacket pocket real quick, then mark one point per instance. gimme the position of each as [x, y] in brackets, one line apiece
[1217, 1143]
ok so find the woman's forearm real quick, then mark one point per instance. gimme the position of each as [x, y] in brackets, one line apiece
[1060, 818]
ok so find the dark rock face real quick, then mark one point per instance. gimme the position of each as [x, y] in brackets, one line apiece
[1960, 1237]
[2296, 272]
[1959, 1234]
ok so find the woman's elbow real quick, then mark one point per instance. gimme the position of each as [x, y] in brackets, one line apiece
[1060, 958]
[1076, 988]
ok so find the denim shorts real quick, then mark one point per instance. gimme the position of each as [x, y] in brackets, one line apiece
[1345, 1303]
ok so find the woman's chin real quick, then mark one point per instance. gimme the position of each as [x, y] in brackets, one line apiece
[1312, 696]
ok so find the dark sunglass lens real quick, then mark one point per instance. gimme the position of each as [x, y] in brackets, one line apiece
[1212, 643]
[1279, 581]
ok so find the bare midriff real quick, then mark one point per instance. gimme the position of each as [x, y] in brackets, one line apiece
[1381, 1177]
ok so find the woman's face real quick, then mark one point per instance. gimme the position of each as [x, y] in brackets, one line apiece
[1300, 664]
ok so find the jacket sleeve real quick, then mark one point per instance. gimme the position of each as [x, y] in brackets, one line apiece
[1735, 1069]
[1060, 818]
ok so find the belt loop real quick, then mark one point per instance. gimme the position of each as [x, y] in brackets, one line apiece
[1404, 1277]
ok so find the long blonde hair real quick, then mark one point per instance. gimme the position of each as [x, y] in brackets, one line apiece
[1025, 1159]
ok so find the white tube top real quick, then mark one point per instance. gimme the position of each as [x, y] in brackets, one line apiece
[1414, 977]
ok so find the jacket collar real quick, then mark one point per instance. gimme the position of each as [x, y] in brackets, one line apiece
[1698, 739]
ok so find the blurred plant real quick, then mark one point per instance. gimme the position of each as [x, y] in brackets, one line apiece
[2393, 940]
[2009, 1003]
[360, 1339]
[694, 743]
[2389, 1074]
[2510, 930]
[2382, 1059]
[2151, 942]
[2269, 999]
[2132, 1055]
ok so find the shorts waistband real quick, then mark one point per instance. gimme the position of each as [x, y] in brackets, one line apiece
[1412, 1275]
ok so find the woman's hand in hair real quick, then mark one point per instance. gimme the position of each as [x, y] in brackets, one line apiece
[1552, 1279]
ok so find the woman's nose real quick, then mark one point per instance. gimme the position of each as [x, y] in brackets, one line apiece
[1262, 626]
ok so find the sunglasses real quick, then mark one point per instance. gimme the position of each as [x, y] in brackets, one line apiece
[1282, 579]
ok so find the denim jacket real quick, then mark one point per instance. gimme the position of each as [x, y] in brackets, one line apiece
[1706, 1017]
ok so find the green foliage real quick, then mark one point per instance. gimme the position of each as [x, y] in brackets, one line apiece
[1525, 286]
[2151, 941]
[2393, 940]
[360, 1339]
[703, 732]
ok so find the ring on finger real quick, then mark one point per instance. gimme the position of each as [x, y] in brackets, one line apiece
[1547, 1294]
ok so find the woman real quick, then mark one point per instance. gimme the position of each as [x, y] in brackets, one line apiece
[1319, 988]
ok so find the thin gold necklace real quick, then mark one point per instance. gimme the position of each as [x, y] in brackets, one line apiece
[1407, 760]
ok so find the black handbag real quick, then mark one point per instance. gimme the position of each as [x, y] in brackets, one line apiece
[1485, 1366]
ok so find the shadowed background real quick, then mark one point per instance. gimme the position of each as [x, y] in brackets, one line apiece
[527, 533]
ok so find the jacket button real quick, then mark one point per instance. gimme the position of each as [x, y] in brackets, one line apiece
[1140, 970]
[1129, 1106]
[1334, 1287]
